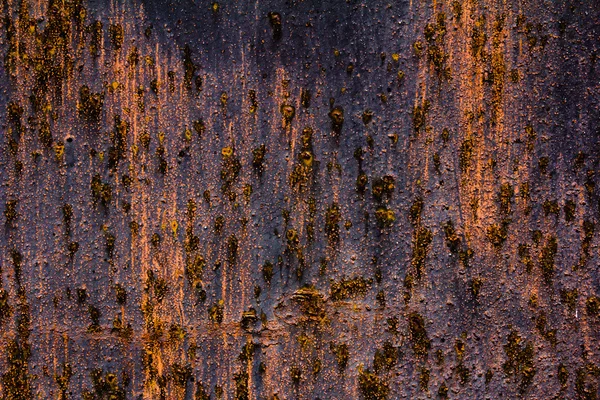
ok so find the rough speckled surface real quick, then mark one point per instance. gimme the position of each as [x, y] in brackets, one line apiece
[299, 199]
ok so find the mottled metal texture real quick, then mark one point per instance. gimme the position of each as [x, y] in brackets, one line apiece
[439, 242]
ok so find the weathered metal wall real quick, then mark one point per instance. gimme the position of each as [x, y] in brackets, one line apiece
[299, 199]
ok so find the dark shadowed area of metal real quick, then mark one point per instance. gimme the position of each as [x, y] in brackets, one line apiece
[299, 199]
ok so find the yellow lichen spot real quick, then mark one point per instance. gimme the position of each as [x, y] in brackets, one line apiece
[343, 90]
[418, 48]
[161, 137]
[395, 57]
[247, 191]
[390, 216]
[227, 151]
[336, 52]
[215, 6]
[188, 134]
[307, 158]
[59, 149]
[134, 149]
[101, 156]
[288, 112]
[224, 98]
[114, 86]
[174, 227]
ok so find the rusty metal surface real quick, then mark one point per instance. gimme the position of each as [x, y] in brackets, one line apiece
[299, 199]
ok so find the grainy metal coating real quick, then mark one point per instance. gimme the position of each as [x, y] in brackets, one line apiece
[299, 199]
